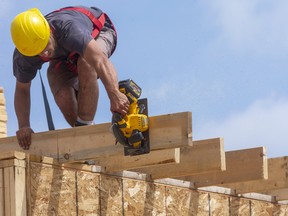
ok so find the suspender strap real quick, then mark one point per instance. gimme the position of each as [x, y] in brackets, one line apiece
[47, 107]
[97, 22]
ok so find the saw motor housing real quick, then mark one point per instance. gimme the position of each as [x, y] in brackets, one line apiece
[131, 130]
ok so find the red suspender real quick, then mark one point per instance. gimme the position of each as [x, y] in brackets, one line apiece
[98, 22]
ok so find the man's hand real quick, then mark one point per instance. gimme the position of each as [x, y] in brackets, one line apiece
[24, 137]
[119, 103]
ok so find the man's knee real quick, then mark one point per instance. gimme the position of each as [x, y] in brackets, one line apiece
[59, 77]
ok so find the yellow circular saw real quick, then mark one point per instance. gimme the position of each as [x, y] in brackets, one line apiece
[132, 130]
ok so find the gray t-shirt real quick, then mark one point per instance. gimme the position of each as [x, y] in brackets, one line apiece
[72, 31]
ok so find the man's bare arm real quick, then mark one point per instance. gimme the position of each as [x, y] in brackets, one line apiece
[106, 72]
[22, 109]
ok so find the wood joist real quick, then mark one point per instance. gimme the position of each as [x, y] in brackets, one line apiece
[97, 141]
[202, 163]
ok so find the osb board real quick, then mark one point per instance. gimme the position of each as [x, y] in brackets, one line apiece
[219, 204]
[143, 198]
[56, 191]
[280, 210]
[111, 195]
[239, 206]
[267, 209]
[261, 208]
[52, 191]
[182, 201]
[88, 193]
[134, 197]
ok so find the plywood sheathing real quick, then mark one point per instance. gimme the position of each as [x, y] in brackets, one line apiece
[110, 195]
[3, 114]
[54, 189]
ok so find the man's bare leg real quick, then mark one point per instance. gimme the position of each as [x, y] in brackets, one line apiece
[88, 93]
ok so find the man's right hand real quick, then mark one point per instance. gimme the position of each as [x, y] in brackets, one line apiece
[24, 137]
[119, 103]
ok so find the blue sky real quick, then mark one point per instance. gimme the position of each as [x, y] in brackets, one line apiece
[225, 61]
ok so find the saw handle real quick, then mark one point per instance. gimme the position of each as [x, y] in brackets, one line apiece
[117, 117]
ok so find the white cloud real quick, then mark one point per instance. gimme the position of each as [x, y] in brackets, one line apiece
[264, 123]
[258, 25]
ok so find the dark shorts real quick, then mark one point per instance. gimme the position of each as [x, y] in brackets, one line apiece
[61, 76]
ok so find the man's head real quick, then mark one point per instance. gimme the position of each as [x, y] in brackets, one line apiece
[30, 32]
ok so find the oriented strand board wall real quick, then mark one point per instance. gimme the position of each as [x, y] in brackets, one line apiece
[3, 115]
[74, 192]
[55, 190]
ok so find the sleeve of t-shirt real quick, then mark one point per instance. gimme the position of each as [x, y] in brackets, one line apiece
[25, 68]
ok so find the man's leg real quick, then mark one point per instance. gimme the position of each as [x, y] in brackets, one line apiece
[64, 84]
[88, 93]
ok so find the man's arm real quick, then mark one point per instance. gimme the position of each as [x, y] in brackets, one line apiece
[22, 109]
[106, 72]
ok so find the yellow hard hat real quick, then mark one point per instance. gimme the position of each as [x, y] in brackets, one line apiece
[30, 32]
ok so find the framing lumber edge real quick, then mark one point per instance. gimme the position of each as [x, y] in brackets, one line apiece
[277, 179]
[97, 141]
[241, 165]
[280, 194]
[203, 157]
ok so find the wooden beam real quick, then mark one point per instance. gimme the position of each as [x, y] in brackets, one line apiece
[2, 134]
[2, 99]
[15, 191]
[12, 162]
[280, 194]
[3, 118]
[12, 155]
[165, 131]
[3, 110]
[277, 178]
[241, 165]
[154, 158]
[96, 141]
[44, 143]
[204, 156]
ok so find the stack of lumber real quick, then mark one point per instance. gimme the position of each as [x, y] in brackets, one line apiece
[180, 176]
[3, 115]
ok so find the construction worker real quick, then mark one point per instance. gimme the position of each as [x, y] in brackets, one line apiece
[77, 42]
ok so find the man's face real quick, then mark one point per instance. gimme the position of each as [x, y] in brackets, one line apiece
[49, 50]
